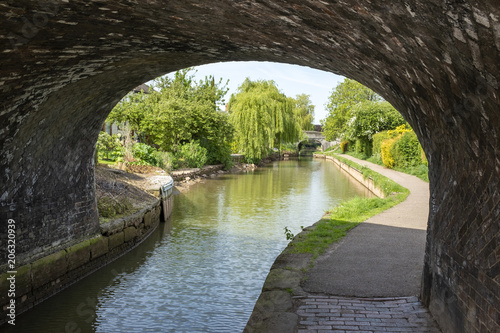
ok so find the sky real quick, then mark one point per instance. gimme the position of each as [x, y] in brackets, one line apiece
[292, 80]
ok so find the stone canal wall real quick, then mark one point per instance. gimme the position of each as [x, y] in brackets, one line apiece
[187, 174]
[354, 173]
[40, 279]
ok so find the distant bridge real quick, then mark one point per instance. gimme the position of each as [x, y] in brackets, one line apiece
[319, 137]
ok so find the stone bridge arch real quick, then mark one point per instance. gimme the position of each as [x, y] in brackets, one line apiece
[65, 64]
[320, 138]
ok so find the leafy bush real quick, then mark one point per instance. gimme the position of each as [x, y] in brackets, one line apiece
[369, 117]
[145, 154]
[406, 150]
[344, 146]
[109, 146]
[377, 143]
[218, 154]
[165, 160]
[386, 152]
[192, 155]
[363, 146]
[234, 147]
[399, 130]
[402, 151]
[252, 160]
[290, 148]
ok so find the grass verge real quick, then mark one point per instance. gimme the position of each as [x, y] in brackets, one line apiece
[107, 162]
[336, 223]
[387, 186]
[421, 171]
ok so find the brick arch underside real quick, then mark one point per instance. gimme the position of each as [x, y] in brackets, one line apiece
[65, 64]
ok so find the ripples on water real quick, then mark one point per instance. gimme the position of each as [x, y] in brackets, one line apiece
[205, 272]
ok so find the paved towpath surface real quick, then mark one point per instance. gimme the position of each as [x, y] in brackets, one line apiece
[374, 272]
[373, 315]
[383, 256]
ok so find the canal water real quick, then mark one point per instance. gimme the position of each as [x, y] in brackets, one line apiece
[204, 269]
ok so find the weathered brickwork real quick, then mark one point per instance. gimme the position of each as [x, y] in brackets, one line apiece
[64, 64]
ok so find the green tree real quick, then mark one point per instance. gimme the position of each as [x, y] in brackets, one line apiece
[369, 118]
[263, 118]
[132, 109]
[180, 110]
[340, 104]
[304, 110]
[109, 145]
[185, 111]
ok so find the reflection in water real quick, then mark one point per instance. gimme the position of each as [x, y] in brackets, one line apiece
[204, 272]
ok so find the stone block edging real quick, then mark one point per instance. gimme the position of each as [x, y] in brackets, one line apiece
[44, 277]
[179, 175]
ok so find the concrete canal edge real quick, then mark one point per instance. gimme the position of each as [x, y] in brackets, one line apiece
[43, 278]
[354, 173]
[276, 307]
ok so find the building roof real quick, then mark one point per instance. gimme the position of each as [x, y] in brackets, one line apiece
[143, 87]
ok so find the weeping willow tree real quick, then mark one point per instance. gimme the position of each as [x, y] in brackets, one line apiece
[305, 111]
[263, 118]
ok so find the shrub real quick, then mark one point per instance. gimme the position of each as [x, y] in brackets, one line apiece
[377, 143]
[109, 146]
[344, 146]
[399, 130]
[363, 146]
[192, 155]
[144, 153]
[250, 160]
[218, 153]
[386, 152]
[406, 150]
[290, 148]
[234, 147]
[165, 160]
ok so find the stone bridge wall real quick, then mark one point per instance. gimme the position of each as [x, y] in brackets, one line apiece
[65, 64]
[318, 136]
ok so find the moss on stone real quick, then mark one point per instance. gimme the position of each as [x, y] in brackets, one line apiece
[130, 233]
[49, 268]
[78, 247]
[78, 254]
[109, 207]
[23, 280]
[116, 240]
[98, 247]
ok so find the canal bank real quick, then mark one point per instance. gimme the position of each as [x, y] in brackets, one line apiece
[377, 265]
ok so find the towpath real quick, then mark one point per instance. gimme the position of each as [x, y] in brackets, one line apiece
[383, 256]
[375, 272]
